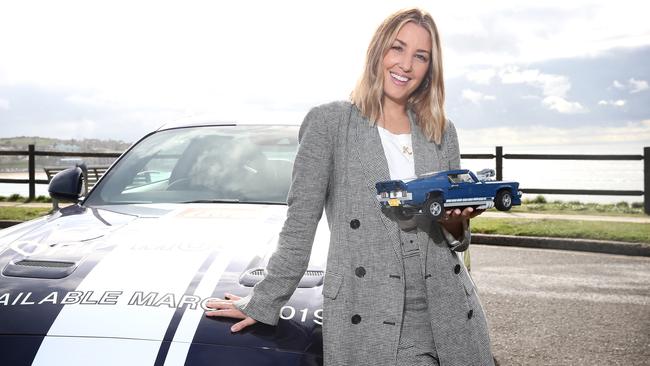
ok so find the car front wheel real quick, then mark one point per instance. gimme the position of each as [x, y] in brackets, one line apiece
[503, 200]
[433, 207]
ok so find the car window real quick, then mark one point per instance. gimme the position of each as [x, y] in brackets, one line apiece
[460, 178]
[230, 163]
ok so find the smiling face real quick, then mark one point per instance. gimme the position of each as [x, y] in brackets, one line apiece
[406, 63]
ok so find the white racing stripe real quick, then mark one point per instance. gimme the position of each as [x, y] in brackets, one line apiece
[180, 346]
[191, 317]
[66, 351]
[156, 258]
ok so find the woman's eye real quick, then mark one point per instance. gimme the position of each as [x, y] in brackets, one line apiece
[422, 58]
[397, 48]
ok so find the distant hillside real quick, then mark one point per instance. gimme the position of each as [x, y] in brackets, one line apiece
[19, 163]
[51, 144]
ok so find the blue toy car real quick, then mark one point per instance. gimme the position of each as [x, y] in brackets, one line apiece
[431, 193]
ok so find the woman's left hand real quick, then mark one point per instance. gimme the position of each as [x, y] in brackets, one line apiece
[454, 220]
[456, 215]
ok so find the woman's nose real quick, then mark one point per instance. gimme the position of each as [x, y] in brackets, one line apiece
[405, 63]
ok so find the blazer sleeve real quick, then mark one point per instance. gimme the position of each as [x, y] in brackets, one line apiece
[450, 144]
[310, 178]
[452, 154]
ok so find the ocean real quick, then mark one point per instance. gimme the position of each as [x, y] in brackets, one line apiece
[570, 174]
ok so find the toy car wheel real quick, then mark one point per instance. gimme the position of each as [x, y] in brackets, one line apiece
[503, 200]
[433, 207]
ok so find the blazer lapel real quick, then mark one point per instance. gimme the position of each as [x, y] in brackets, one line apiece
[370, 153]
[425, 153]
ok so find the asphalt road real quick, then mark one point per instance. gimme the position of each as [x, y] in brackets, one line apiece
[552, 307]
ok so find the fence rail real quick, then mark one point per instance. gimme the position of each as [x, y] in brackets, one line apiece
[498, 155]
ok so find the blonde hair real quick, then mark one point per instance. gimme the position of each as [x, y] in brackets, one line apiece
[427, 101]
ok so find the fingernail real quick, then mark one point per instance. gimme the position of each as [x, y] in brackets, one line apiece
[233, 329]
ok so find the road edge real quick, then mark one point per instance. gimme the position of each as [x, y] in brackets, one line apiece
[582, 245]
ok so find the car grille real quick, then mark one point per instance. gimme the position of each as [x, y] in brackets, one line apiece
[314, 273]
[257, 272]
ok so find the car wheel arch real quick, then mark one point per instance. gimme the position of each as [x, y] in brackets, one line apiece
[435, 193]
[436, 197]
[499, 201]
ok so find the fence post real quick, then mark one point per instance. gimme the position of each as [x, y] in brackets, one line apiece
[646, 179]
[32, 172]
[499, 163]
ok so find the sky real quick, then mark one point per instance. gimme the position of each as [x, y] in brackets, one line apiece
[518, 73]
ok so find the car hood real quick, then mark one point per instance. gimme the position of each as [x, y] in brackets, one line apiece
[144, 272]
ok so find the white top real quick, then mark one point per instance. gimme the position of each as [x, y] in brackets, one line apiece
[399, 154]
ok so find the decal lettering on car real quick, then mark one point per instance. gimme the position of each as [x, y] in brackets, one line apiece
[140, 298]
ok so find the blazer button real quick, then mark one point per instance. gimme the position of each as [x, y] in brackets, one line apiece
[470, 314]
[360, 272]
[356, 319]
[457, 269]
[355, 224]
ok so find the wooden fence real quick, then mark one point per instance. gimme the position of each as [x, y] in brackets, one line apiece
[498, 155]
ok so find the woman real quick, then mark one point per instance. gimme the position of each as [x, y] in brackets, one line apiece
[393, 294]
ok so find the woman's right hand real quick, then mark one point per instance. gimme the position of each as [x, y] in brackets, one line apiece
[227, 308]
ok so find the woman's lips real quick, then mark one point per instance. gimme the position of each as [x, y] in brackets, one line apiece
[399, 79]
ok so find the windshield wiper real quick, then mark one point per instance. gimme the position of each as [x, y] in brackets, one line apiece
[214, 200]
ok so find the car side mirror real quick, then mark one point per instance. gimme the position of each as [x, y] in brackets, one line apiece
[66, 185]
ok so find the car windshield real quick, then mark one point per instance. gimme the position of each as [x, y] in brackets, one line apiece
[245, 164]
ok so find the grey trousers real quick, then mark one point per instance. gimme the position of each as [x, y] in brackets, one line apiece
[416, 345]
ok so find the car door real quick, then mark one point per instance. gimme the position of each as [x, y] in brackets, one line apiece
[460, 189]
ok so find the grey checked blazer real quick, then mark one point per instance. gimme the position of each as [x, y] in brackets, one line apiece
[339, 160]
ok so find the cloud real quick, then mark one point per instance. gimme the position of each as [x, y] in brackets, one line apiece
[562, 105]
[475, 96]
[633, 85]
[631, 132]
[554, 88]
[4, 104]
[551, 85]
[481, 76]
[615, 103]
[637, 85]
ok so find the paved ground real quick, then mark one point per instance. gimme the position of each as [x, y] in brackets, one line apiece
[550, 307]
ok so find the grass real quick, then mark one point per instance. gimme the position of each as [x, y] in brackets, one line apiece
[22, 213]
[540, 205]
[617, 231]
[18, 198]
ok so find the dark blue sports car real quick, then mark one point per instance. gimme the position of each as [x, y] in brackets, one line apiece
[122, 276]
[431, 193]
